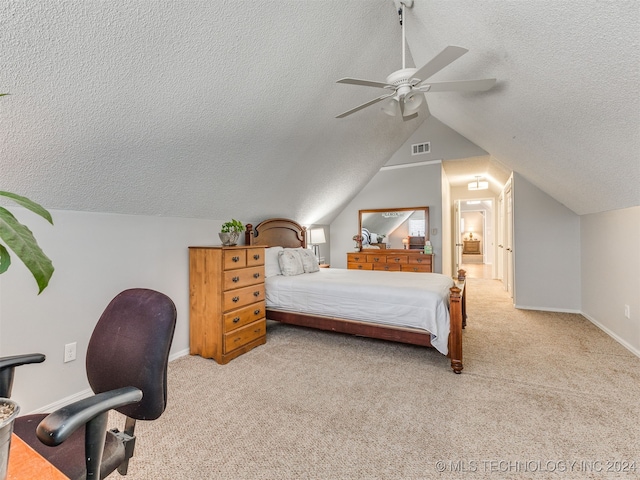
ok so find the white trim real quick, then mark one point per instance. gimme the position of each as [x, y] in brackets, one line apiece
[546, 309]
[410, 165]
[52, 407]
[613, 335]
[181, 353]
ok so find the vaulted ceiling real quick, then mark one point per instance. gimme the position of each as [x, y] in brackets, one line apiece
[226, 109]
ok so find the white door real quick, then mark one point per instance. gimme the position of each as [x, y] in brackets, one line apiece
[500, 252]
[509, 238]
[457, 237]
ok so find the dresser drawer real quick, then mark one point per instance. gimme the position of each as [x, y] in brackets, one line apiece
[360, 266]
[243, 316]
[241, 297]
[389, 267]
[242, 277]
[241, 336]
[255, 256]
[397, 259]
[234, 258]
[416, 268]
[420, 260]
[376, 259]
[356, 257]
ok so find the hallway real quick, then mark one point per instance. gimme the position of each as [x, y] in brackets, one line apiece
[477, 270]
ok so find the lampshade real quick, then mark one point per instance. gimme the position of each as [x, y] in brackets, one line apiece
[316, 236]
[412, 101]
[390, 107]
[478, 185]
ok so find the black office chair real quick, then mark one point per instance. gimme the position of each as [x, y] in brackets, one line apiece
[127, 359]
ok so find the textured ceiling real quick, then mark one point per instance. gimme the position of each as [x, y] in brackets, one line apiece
[226, 108]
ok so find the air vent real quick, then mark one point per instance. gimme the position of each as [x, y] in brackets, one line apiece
[420, 148]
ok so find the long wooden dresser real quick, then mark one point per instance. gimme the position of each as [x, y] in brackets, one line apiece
[390, 260]
[226, 301]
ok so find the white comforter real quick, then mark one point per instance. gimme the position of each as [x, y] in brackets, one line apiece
[417, 300]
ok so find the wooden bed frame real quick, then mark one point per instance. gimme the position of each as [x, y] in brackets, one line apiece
[289, 234]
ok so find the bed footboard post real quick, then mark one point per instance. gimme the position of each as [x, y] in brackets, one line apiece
[462, 276]
[455, 333]
[248, 235]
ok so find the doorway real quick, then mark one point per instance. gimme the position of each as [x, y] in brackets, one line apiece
[475, 237]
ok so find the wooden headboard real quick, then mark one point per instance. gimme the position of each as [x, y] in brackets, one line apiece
[277, 232]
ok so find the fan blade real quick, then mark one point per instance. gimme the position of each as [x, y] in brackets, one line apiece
[437, 63]
[365, 83]
[365, 105]
[459, 86]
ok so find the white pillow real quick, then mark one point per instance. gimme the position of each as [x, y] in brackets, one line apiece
[271, 262]
[309, 261]
[290, 262]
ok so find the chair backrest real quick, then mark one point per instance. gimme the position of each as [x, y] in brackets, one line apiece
[130, 347]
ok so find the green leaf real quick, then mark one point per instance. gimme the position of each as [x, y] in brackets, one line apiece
[20, 239]
[29, 204]
[5, 259]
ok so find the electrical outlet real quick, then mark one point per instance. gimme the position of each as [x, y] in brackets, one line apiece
[627, 311]
[69, 352]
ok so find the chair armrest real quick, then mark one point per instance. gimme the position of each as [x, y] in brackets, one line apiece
[7, 366]
[56, 427]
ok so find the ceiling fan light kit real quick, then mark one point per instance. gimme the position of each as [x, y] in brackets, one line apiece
[408, 85]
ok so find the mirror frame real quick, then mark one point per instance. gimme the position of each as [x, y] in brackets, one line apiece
[400, 209]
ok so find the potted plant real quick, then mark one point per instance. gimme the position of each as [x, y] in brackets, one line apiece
[230, 232]
[21, 241]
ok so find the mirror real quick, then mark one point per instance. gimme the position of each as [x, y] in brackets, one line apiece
[394, 228]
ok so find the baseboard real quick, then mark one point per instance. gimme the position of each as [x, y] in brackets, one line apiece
[613, 335]
[52, 407]
[181, 353]
[547, 309]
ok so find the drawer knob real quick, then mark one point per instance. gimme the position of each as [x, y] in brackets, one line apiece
[257, 330]
[236, 320]
[236, 279]
[256, 256]
[256, 275]
[415, 269]
[376, 259]
[235, 299]
[256, 311]
[396, 259]
[256, 294]
[235, 259]
[386, 268]
[419, 260]
[360, 267]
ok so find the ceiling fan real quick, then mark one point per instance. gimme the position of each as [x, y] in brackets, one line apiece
[406, 87]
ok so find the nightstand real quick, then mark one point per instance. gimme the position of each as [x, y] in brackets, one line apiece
[324, 265]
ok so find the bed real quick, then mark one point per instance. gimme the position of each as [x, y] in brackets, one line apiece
[429, 311]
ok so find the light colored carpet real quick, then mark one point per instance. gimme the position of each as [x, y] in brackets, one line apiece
[539, 391]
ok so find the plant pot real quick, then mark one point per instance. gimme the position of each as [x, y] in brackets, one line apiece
[8, 412]
[229, 239]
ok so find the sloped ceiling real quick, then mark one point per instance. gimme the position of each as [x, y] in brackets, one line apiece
[226, 109]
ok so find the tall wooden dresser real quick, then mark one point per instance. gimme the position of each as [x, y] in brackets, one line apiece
[390, 260]
[226, 301]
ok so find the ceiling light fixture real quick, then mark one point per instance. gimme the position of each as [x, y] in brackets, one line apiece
[478, 185]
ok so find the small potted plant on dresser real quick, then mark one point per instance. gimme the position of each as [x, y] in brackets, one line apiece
[230, 232]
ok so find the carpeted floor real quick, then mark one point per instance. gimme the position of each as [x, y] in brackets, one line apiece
[542, 395]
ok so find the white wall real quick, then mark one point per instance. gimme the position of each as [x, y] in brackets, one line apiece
[610, 257]
[546, 250]
[415, 186]
[95, 257]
